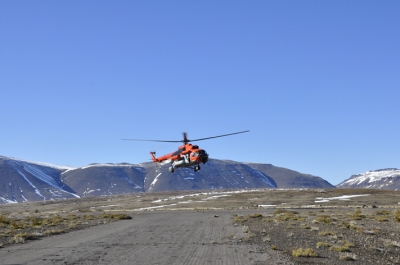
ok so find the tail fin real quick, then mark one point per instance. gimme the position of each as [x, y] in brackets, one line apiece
[153, 157]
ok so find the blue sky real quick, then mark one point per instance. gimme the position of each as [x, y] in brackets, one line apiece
[317, 83]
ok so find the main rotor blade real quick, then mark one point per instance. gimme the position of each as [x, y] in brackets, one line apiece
[185, 139]
[217, 136]
[152, 140]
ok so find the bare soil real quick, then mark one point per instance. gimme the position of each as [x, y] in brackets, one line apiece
[219, 227]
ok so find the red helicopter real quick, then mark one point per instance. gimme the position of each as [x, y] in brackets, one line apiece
[187, 155]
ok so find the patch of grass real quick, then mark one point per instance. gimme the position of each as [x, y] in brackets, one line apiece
[308, 252]
[4, 220]
[35, 221]
[392, 243]
[18, 225]
[21, 238]
[357, 215]
[53, 220]
[280, 211]
[301, 219]
[325, 219]
[72, 217]
[347, 257]
[349, 244]
[368, 232]
[397, 216]
[382, 212]
[327, 233]
[89, 217]
[324, 244]
[239, 219]
[340, 248]
[17, 240]
[286, 215]
[74, 224]
[255, 215]
[116, 216]
[382, 219]
[344, 224]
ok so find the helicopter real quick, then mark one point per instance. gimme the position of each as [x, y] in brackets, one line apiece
[187, 155]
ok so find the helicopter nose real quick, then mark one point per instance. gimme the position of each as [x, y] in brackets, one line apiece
[204, 158]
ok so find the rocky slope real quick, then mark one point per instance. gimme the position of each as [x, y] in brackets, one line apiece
[22, 181]
[386, 179]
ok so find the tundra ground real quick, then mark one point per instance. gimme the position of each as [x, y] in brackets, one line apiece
[335, 226]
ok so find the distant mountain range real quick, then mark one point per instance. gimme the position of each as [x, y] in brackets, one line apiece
[22, 181]
[385, 179]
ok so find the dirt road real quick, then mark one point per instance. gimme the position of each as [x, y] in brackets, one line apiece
[170, 237]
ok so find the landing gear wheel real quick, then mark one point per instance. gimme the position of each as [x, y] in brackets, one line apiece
[171, 169]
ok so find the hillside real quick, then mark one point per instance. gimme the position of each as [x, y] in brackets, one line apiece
[22, 181]
[386, 179]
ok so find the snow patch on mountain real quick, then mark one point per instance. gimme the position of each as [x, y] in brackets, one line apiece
[39, 171]
[371, 177]
[30, 183]
[38, 163]
[154, 181]
[107, 165]
[7, 201]
[263, 177]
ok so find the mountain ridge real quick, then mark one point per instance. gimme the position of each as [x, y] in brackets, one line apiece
[387, 178]
[22, 181]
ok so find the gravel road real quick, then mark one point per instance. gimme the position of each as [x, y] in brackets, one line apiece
[161, 237]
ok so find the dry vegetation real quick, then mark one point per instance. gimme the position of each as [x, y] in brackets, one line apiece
[363, 236]
[21, 227]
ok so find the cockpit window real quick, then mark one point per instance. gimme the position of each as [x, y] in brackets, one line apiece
[178, 152]
[202, 152]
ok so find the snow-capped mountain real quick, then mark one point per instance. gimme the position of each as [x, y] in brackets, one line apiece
[22, 181]
[105, 179]
[386, 179]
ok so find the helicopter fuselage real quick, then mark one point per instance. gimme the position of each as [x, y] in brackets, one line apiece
[187, 155]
